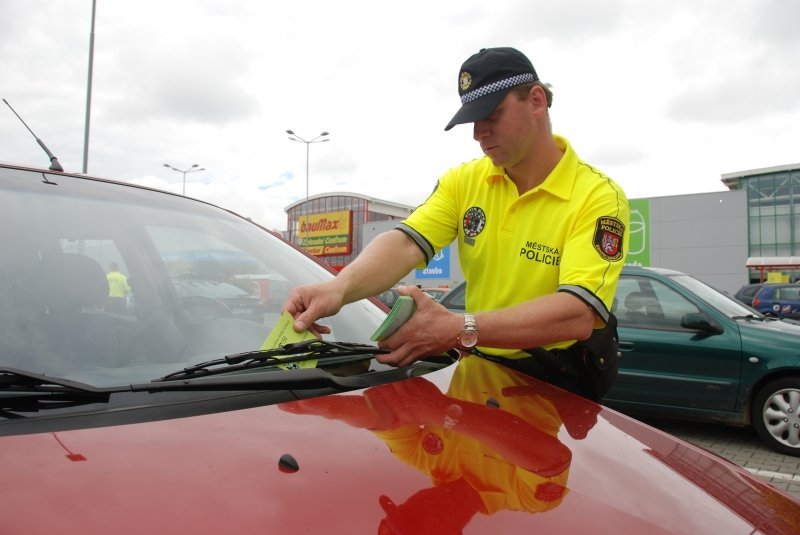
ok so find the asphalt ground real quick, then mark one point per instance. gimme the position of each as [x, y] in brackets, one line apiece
[740, 445]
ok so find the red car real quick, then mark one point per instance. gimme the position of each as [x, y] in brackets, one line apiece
[171, 417]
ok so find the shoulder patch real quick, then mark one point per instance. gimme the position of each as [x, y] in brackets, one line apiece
[608, 235]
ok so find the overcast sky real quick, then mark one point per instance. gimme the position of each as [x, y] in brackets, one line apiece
[664, 96]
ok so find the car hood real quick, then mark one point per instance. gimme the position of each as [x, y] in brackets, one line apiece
[473, 448]
[771, 338]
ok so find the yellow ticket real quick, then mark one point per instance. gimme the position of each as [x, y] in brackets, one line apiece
[283, 333]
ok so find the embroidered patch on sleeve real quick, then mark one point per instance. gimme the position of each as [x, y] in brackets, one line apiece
[608, 238]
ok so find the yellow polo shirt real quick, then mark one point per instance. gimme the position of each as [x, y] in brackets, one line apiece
[567, 234]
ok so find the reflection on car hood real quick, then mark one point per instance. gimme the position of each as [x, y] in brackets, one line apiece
[789, 327]
[469, 448]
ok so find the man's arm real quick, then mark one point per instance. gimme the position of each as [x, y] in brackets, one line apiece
[387, 259]
[546, 320]
[434, 329]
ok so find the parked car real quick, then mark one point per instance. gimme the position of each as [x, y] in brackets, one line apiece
[388, 297]
[746, 293]
[435, 293]
[778, 300]
[456, 298]
[240, 303]
[693, 353]
[164, 420]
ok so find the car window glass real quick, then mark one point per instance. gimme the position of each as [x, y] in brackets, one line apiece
[648, 303]
[456, 299]
[203, 265]
[107, 255]
[721, 302]
[203, 283]
[788, 293]
[673, 305]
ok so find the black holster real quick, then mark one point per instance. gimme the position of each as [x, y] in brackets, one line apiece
[587, 368]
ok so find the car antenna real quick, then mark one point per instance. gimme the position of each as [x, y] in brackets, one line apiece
[54, 165]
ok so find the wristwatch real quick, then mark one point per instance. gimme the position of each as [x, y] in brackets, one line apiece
[469, 334]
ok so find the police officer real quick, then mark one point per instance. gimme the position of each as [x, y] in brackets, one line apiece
[542, 234]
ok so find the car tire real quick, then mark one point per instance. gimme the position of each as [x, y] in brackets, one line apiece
[776, 415]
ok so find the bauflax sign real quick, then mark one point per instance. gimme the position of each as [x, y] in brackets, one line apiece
[326, 234]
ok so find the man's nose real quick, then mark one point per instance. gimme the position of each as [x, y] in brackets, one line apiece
[480, 129]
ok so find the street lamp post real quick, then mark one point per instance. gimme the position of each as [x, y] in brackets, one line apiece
[192, 169]
[308, 142]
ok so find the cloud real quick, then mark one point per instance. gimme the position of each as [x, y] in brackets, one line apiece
[662, 96]
[742, 72]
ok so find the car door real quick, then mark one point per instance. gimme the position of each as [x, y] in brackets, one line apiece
[787, 301]
[666, 364]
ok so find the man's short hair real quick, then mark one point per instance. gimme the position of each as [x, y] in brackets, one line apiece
[521, 91]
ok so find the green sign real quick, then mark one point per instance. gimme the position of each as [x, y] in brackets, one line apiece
[639, 245]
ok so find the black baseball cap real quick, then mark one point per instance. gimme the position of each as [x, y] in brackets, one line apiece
[486, 78]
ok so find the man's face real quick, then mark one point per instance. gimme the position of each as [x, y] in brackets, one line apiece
[507, 135]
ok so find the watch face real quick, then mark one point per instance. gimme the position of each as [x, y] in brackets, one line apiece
[469, 338]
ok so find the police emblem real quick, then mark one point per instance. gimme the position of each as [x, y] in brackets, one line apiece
[608, 236]
[473, 223]
[464, 80]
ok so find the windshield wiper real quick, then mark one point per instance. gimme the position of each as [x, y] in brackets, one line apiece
[26, 391]
[287, 354]
[18, 381]
[749, 317]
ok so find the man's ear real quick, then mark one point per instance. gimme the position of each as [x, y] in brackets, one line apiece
[537, 97]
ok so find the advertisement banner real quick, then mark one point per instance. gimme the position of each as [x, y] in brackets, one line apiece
[438, 267]
[639, 247]
[326, 234]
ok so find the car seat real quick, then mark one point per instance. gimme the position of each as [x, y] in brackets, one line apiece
[67, 295]
[635, 308]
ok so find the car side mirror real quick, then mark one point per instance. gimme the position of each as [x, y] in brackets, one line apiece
[700, 322]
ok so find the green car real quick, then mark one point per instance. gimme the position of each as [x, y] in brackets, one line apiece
[691, 352]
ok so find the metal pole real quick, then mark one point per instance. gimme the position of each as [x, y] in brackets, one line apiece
[307, 147]
[89, 93]
[308, 142]
[192, 169]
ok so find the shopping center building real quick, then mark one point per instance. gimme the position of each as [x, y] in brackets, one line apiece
[747, 233]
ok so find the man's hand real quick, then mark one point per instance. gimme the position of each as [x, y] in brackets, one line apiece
[432, 330]
[309, 303]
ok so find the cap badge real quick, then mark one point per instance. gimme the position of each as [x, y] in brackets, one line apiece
[465, 81]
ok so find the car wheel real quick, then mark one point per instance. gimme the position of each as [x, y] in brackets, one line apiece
[776, 415]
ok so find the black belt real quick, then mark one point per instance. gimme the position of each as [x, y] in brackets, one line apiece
[587, 368]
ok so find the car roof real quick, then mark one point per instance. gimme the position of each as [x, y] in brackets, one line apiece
[631, 270]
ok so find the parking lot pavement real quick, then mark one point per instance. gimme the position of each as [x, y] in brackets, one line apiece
[741, 446]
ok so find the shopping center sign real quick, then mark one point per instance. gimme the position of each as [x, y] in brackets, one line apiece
[326, 234]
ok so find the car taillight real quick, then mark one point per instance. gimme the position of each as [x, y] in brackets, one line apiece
[756, 302]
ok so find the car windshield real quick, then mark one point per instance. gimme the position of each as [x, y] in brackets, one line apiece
[727, 305]
[110, 284]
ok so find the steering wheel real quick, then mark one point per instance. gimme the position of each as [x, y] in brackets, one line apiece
[167, 333]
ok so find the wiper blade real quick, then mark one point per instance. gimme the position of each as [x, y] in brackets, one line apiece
[26, 391]
[287, 354]
[303, 378]
[18, 381]
[749, 317]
